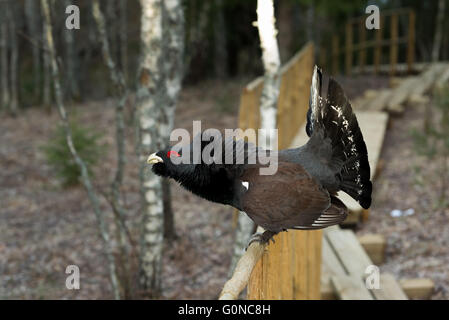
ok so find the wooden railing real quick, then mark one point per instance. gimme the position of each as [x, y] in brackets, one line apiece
[289, 268]
[378, 40]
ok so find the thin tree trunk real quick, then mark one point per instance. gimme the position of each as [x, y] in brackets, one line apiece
[150, 101]
[173, 24]
[48, 37]
[169, 217]
[32, 15]
[220, 50]
[438, 30]
[71, 59]
[268, 103]
[4, 57]
[123, 38]
[111, 14]
[46, 90]
[13, 17]
[122, 96]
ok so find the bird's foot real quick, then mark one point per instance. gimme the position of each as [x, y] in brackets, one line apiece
[262, 238]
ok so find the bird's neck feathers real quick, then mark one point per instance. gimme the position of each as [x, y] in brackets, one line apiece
[207, 182]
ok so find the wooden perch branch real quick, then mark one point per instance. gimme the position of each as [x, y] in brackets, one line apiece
[243, 270]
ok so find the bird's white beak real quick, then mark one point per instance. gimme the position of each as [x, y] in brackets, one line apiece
[153, 158]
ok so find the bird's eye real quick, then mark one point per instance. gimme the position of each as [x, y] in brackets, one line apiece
[172, 153]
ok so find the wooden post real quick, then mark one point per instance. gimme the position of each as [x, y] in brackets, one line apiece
[348, 60]
[362, 44]
[335, 54]
[411, 41]
[394, 44]
[378, 47]
[290, 268]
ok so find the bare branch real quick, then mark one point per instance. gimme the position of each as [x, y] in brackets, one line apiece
[239, 280]
[84, 173]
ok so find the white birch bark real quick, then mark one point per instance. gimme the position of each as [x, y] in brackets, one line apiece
[268, 104]
[4, 57]
[104, 233]
[150, 98]
[173, 47]
[438, 31]
[271, 63]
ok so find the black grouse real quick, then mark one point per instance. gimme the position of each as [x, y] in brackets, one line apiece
[302, 192]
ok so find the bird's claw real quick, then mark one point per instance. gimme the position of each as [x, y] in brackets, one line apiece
[262, 238]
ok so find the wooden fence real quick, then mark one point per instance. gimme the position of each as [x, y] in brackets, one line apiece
[378, 41]
[290, 268]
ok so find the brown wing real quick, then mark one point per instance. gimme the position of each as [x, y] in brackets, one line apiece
[289, 199]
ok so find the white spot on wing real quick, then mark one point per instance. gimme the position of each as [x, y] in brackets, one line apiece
[245, 184]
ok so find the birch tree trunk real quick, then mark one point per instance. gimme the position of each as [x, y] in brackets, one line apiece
[104, 233]
[438, 31]
[13, 17]
[4, 56]
[268, 104]
[173, 25]
[32, 14]
[150, 100]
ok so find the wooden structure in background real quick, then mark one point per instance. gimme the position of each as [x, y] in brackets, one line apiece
[378, 40]
[290, 267]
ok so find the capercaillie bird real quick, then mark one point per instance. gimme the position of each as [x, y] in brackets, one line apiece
[302, 192]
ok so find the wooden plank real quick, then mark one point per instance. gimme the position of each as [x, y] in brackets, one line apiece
[289, 268]
[380, 102]
[374, 245]
[427, 79]
[401, 68]
[314, 242]
[444, 77]
[330, 266]
[350, 288]
[389, 289]
[421, 288]
[401, 94]
[349, 251]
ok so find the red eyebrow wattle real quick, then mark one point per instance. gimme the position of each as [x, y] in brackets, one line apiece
[171, 152]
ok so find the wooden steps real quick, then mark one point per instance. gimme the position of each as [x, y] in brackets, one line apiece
[410, 89]
[419, 288]
[374, 245]
[345, 266]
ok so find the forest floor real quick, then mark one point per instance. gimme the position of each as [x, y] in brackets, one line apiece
[44, 227]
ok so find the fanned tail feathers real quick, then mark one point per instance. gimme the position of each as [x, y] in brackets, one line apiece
[335, 118]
